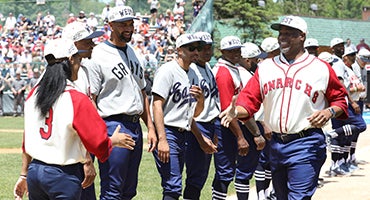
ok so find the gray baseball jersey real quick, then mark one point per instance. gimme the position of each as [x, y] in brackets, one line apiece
[173, 83]
[117, 78]
[207, 83]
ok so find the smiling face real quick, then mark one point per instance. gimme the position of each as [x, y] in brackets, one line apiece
[121, 32]
[232, 55]
[291, 41]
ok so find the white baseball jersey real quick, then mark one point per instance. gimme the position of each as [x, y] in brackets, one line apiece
[292, 92]
[71, 125]
[228, 81]
[361, 73]
[246, 75]
[341, 70]
[173, 83]
[117, 79]
[82, 83]
[207, 82]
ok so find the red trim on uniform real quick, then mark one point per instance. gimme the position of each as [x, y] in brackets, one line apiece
[90, 126]
[226, 86]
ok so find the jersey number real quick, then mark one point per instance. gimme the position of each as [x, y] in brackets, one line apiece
[48, 126]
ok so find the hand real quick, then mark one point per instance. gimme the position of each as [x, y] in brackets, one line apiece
[267, 130]
[20, 188]
[243, 146]
[319, 118]
[90, 173]
[260, 142]
[122, 140]
[163, 151]
[229, 113]
[207, 145]
[152, 140]
[197, 93]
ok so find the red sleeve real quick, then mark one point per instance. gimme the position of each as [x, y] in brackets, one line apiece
[336, 94]
[250, 97]
[90, 126]
[225, 86]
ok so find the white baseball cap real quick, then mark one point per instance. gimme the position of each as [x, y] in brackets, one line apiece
[336, 41]
[349, 51]
[77, 31]
[364, 55]
[204, 36]
[311, 42]
[121, 14]
[60, 48]
[293, 22]
[185, 39]
[230, 42]
[270, 44]
[326, 56]
[250, 50]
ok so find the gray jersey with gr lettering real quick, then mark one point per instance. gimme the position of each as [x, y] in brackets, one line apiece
[117, 78]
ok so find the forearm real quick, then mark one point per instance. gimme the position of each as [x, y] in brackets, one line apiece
[146, 114]
[253, 127]
[235, 129]
[199, 108]
[26, 160]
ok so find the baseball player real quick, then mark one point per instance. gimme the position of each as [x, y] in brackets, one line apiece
[233, 143]
[176, 100]
[83, 37]
[312, 46]
[58, 130]
[207, 122]
[299, 104]
[345, 130]
[118, 88]
[270, 45]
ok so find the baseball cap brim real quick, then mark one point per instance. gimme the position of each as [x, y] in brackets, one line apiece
[233, 47]
[365, 59]
[94, 34]
[125, 19]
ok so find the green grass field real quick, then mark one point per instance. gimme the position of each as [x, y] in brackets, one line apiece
[149, 179]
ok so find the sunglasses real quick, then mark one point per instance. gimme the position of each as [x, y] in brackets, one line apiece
[192, 48]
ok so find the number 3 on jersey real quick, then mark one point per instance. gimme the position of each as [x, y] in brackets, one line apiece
[47, 126]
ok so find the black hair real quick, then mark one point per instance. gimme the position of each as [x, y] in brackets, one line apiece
[52, 85]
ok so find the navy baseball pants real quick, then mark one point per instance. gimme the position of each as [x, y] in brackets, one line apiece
[119, 174]
[296, 165]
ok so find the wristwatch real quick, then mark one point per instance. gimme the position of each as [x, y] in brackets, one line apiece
[332, 111]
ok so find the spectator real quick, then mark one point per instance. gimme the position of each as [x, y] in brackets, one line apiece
[105, 13]
[81, 17]
[71, 18]
[362, 44]
[2, 87]
[34, 79]
[10, 22]
[92, 22]
[170, 55]
[349, 44]
[154, 5]
[18, 87]
[178, 9]
[49, 19]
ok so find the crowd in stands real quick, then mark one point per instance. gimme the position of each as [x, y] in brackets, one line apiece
[22, 40]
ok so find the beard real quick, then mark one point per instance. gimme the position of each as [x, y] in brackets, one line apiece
[124, 38]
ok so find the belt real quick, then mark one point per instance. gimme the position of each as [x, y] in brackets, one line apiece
[286, 138]
[178, 129]
[55, 165]
[124, 118]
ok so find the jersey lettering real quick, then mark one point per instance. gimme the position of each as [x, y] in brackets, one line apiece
[45, 131]
[136, 69]
[182, 97]
[287, 83]
[120, 71]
